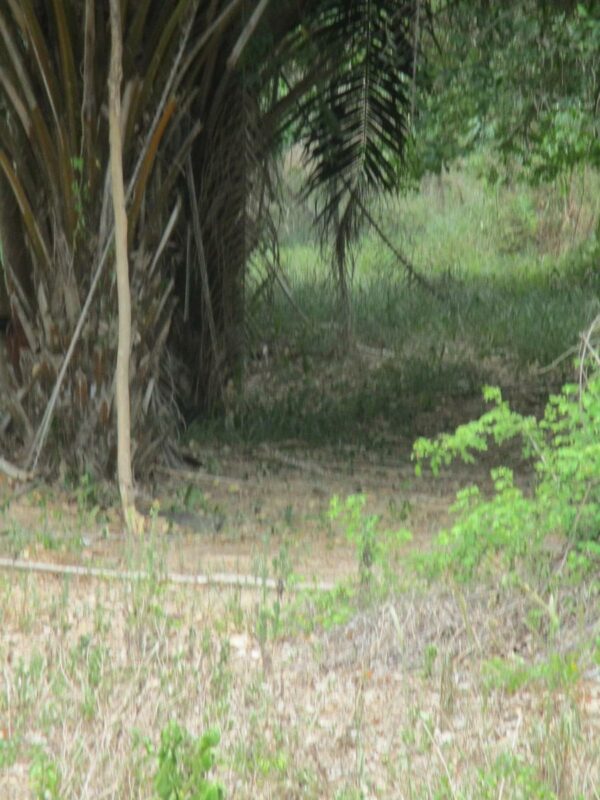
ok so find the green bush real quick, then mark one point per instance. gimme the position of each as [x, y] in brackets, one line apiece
[183, 765]
[511, 524]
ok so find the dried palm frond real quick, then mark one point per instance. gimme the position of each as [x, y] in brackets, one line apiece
[54, 126]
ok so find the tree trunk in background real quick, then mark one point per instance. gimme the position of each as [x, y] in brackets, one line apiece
[15, 258]
[133, 520]
[220, 170]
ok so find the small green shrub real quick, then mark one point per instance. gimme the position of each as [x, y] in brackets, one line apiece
[44, 777]
[374, 547]
[184, 762]
[565, 449]
[556, 672]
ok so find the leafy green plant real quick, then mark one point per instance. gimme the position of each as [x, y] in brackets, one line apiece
[510, 524]
[429, 658]
[269, 612]
[9, 750]
[373, 546]
[86, 492]
[184, 763]
[44, 777]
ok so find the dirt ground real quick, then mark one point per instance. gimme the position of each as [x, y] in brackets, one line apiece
[237, 503]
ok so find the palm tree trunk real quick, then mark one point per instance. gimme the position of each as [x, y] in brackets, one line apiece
[15, 258]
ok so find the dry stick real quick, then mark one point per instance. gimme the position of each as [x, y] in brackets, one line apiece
[246, 34]
[289, 461]
[165, 237]
[415, 58]
[587, 349]
[443, 761]
[558, 360]
[221, 21]
[218, 579]
[188, 274]
[42, 432]
[198, 476]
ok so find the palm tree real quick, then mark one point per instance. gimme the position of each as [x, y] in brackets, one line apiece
[212, 89]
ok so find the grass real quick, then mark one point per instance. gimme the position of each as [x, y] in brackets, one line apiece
[514, 271]
[384, 687]
[366, 707]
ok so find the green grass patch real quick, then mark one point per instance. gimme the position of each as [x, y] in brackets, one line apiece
[554, 673]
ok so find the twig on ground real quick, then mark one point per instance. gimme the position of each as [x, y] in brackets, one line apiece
[218, 579]
[558, 360]
[14, 472]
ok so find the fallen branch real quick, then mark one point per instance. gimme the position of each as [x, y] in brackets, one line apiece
[200, 476]
[14, 472]
[218, 579]
[558, 360]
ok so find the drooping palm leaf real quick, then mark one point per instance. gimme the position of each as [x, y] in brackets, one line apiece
[357, 127]
[354, 120]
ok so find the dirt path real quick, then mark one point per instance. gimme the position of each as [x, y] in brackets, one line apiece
[239, 507]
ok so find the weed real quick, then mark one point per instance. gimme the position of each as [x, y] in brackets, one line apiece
[374, 548]
[288, 515]
[511, 776]
[184, 763]
[44, 777]
[195, 500]
[511, 525]
[559, 738]
[555, 673]
[9, 751]
[28, 681]
[222, 678]
[429, 658]
[268, 610]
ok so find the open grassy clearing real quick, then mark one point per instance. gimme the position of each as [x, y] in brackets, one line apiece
[441, 691]
[389, 685]
[435, 694]
[515, 270]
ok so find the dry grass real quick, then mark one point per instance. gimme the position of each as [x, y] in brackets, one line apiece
[414, 698]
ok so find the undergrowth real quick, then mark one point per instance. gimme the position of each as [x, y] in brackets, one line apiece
[511, 525]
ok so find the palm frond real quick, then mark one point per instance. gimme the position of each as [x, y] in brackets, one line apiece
[356, 125]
